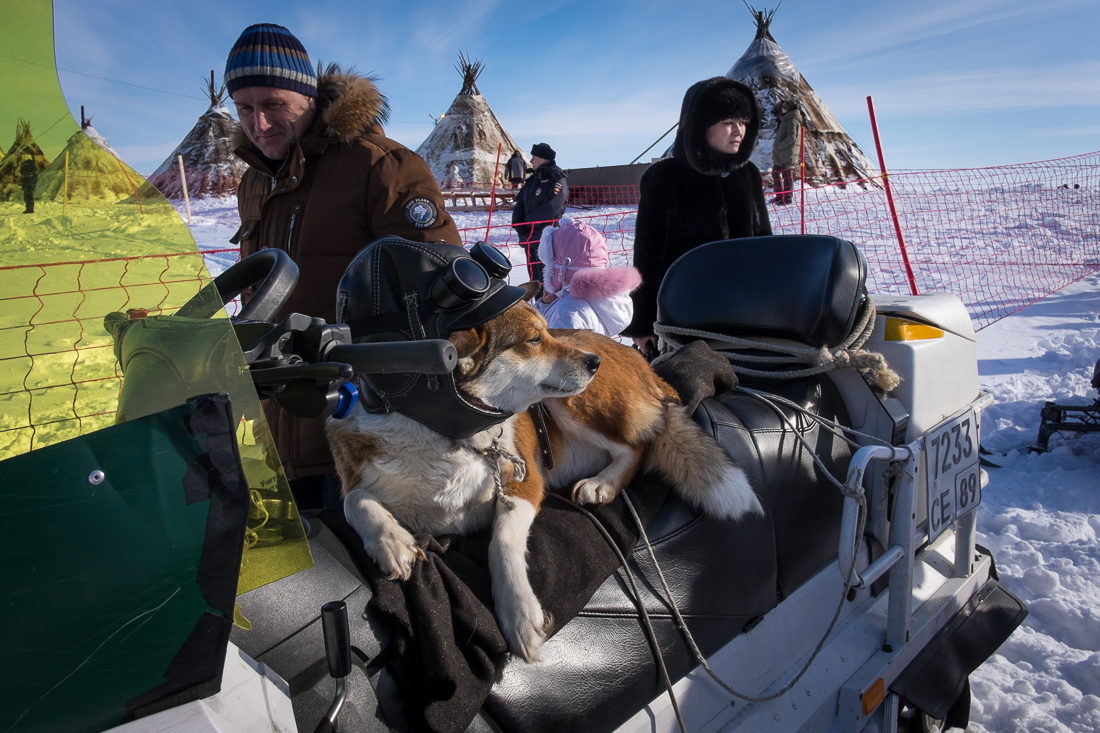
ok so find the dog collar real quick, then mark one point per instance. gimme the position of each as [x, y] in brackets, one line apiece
[538, 417]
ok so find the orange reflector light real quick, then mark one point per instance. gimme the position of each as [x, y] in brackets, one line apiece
[873, 695]
[898, 329]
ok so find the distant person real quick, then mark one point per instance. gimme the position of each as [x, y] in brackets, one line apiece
[540, 203]
[785, 151]
[707, 191]
[517, 169]
[323, 182]
[28, 179]
[454, 177]
[582, 289]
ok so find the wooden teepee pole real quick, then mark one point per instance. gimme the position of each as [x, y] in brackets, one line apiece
[493, 195]
[183, 180]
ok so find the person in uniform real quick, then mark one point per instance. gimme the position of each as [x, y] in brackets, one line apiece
[540, 203]
[323, 181]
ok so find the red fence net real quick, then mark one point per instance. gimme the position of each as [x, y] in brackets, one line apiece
[998, 238]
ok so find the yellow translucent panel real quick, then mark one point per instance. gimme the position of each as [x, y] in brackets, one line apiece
[102, 243]
[898, 329]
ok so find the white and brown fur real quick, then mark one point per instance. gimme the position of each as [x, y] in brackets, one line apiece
[606, 424]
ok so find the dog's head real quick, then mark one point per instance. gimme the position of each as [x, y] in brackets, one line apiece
[511, 362]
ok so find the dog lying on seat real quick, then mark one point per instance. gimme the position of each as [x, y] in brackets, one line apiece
[610, 416]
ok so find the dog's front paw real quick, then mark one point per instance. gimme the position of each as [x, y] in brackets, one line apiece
[593, 491]
[524, 624]
[395, 551]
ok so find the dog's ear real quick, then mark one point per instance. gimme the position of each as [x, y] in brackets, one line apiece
[533, 288]
[468, 342]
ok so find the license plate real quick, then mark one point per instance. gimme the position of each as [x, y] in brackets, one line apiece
[954, 480]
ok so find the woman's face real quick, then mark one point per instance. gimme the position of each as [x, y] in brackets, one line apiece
[726, 136]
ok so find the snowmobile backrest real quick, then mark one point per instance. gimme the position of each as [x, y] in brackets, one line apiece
[807, 288]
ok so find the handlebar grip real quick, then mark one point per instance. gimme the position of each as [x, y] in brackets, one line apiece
[334, 625]
[432, 356]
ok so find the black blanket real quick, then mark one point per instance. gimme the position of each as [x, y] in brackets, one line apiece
[446, 647]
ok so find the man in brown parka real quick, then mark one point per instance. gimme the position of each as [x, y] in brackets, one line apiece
[323, 182]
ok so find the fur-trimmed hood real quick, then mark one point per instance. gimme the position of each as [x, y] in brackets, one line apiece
[696, 116]
[349, 106]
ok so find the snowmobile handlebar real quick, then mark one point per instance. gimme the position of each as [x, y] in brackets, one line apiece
[433, 356]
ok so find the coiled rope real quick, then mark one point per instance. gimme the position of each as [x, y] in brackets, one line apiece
[848, 353]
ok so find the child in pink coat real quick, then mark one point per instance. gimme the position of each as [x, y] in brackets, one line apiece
[582, 290]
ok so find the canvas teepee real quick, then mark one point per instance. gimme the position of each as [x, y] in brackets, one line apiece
[831, 154]
[87, 171]
[207, 150]
[468, 134]
[11, 165]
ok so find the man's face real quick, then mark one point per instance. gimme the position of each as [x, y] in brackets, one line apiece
[536, 161]
[273, 118]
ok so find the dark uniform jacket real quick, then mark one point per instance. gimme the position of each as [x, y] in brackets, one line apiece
[542, 198]
[697, 196]
[343, 185]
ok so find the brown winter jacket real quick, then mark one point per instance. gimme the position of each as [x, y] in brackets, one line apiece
[343, 185]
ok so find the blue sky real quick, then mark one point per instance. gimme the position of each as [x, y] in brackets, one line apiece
[956, 83]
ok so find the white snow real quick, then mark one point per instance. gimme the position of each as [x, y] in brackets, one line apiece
[1040, 513]
[1040, 516]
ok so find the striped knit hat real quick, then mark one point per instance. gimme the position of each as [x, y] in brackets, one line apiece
[268, 55]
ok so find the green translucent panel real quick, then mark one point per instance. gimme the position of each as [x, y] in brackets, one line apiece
[105, 580]
[104, 244]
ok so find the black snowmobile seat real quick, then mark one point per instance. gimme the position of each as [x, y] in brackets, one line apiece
[599, 669]
[807, 288]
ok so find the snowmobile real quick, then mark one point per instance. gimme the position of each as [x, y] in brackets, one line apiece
[859, 600]
[1070, 418]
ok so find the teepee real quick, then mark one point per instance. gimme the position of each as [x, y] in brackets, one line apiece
[11, 165]
[207, 150]
[87, 171]
[467, 136]
[831, 154]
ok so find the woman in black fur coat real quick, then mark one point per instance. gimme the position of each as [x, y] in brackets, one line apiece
[706, 192]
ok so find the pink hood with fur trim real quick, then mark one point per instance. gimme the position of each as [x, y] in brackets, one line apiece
[577, 260]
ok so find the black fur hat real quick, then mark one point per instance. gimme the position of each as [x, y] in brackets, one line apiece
[706, 103]
[728, 104]
[544, 151]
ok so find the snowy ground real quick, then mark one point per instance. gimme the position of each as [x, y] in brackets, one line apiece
[1040, 514]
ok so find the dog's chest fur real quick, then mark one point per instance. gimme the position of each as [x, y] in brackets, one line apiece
[430, 482]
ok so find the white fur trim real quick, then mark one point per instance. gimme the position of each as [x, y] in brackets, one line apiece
[546, 254]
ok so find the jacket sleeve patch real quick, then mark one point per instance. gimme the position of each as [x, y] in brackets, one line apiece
[557, 188]
[421, 212]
